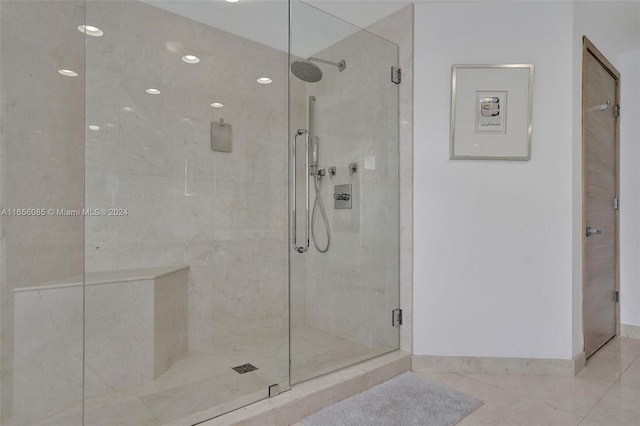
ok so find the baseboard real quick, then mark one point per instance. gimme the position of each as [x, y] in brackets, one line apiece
[628, 330]
[491, 365]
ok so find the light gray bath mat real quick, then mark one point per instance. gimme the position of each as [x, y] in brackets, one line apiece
[406, 400]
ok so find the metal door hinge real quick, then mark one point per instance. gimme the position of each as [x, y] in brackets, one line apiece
[396, 317]
[616, 110]
[274, 390]
[616, 203]
[617, 296]
[396, 75]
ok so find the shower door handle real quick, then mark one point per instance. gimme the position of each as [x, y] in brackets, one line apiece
[300, 249]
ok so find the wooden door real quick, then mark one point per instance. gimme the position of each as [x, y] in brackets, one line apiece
[600, 99]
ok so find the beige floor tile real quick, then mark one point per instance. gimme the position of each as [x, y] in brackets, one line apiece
[132, 412]
[619, 406]
[72, 417]
[446, 379]
[572, 394]
[502, 407]
[190, 369]
[623, 344]
[587, 422]
[186, 400]
[608, 364]
[631, 377]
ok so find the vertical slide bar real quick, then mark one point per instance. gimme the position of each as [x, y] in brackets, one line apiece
[300, 249]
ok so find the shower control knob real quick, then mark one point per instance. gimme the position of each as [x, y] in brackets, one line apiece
[341, 196]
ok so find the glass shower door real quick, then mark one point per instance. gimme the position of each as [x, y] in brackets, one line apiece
[186, 312]
[344, 264]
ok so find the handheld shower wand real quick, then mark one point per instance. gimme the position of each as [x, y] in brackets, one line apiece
[317, 174]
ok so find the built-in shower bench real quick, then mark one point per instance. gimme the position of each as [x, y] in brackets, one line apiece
[135, 329]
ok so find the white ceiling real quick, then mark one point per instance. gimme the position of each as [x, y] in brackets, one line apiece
[266, 21]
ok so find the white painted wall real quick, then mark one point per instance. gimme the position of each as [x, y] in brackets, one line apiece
[630, 190]
[492, 273]
[498, 245]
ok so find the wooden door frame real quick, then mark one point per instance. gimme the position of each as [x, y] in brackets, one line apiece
[588, 48]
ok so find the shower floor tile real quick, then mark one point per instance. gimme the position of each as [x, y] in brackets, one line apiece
[179, 402]
[203, 385]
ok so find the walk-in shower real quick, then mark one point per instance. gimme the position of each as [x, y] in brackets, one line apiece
[146, 279]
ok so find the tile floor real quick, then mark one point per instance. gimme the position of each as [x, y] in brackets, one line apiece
[606, 392]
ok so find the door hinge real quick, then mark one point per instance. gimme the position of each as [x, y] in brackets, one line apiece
[617, 296]
[616, 203]
[396, 317]
[396, 75]
[616, 110]
[274, 390]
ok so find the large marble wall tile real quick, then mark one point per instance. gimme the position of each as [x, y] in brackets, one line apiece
[164, 209]
[216, 212]
[103, 53]
[41, 151]
[16, 14]
[119, 335]
[200, 308]
[47, 367]
[249, 300]
[170, 341]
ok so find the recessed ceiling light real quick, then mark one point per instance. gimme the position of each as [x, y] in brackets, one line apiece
[91, 30]
[94, 127]
[153, 91]
[232, 1]
[68, 73]
[190, 59]
[127, 109]
[217, 105]
[265, 80]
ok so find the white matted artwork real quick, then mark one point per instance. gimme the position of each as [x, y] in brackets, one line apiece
[491, 112]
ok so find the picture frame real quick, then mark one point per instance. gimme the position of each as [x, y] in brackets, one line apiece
[491, 112]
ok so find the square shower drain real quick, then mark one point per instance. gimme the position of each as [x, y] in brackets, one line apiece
[244, 368]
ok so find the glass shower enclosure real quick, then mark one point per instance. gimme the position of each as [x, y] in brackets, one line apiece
[344, 253]
[189, 223]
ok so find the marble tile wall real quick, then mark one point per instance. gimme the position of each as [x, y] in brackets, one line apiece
[223, 214]
[41, 156]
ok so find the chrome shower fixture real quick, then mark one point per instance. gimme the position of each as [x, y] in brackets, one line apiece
[307, 71]
[340, 65]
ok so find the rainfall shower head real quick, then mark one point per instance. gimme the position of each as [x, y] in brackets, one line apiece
[306, 71]
[310, 72]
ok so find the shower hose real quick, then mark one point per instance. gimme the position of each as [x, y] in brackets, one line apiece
[319, 205]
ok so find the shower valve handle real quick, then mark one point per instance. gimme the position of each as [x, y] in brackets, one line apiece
[342, 196]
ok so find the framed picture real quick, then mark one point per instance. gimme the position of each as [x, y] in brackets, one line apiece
[491, 112]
